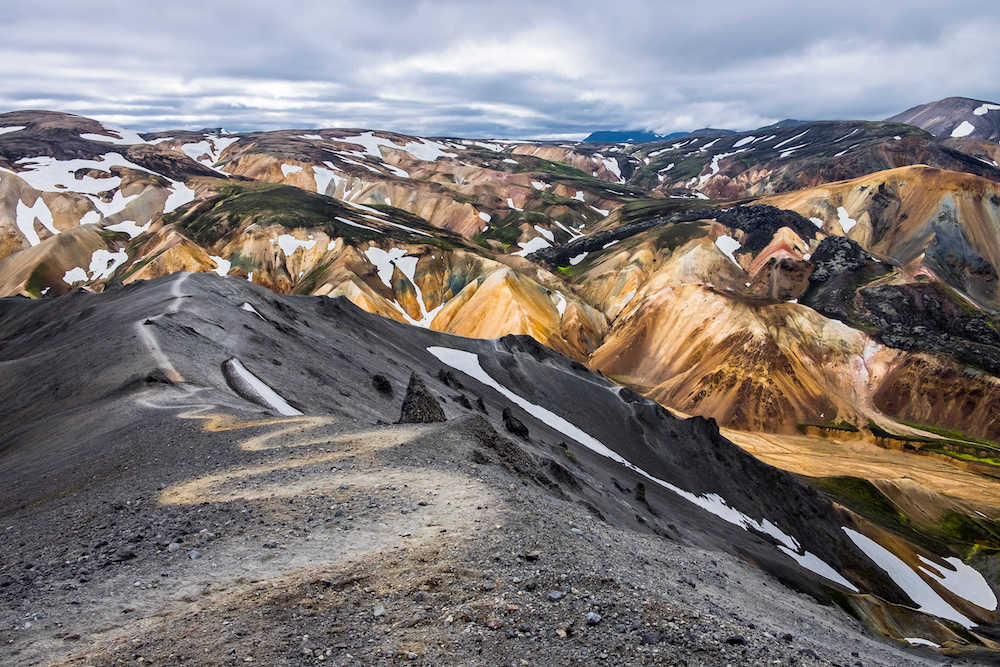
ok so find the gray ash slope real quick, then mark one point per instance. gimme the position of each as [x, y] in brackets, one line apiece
[955, 117]
[127, 456]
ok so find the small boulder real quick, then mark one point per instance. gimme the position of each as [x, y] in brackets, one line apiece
[382, 384]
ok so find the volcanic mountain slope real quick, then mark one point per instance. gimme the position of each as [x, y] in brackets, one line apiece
[231, 454]
[955, 117]
[752, 296]
[930, 222]
[601, 278]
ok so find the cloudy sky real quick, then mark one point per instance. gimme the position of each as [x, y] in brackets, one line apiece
[505, 69]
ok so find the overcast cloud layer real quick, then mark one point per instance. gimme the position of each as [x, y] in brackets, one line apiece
[503, 69]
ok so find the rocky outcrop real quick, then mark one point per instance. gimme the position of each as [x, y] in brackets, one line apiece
[420, 406]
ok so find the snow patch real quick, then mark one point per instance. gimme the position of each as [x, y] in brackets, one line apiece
[422, 149]
[75, 275]
[323, 177]
[788, 141]
[728, 245]
[788, 151]
[250, 309]
[612, 165]
[531, 246]
[963, 581]
[51, 175]
[920, 641]
[26, 215]
[129, 227]
[124, 138]
[104, 263]
[744, 141]
[964, 129]
[546, 233]
[287, 169]
[846, 222]
[116, 205]
[918, 590]
[818, 222]
[560, 303]
[289, 244]
[180, 194]
[978, 111]
[352, 224]
[485, 217]
[384, 262]
[262, 391]
[222, 266]
[851, 133]
[11, 128]
[402, 173]
[815, 564]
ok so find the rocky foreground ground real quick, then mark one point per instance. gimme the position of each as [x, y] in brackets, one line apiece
[401, 543]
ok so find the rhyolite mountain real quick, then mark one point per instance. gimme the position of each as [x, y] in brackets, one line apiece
[826, 292]
[955, 117]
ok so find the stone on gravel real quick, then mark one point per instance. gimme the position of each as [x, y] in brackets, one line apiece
[381, 384]
[593, 618]
[420, 406]
[514, 425]
[555, 596]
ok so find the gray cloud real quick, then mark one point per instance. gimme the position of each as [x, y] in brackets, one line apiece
[494, 69]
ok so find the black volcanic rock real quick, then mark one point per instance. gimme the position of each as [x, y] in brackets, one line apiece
[420, 406]
[836, 255]
[760, 222]
[925, 317]
[514, 425]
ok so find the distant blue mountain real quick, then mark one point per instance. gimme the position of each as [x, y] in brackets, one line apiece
[788, 122]
[629, 136]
